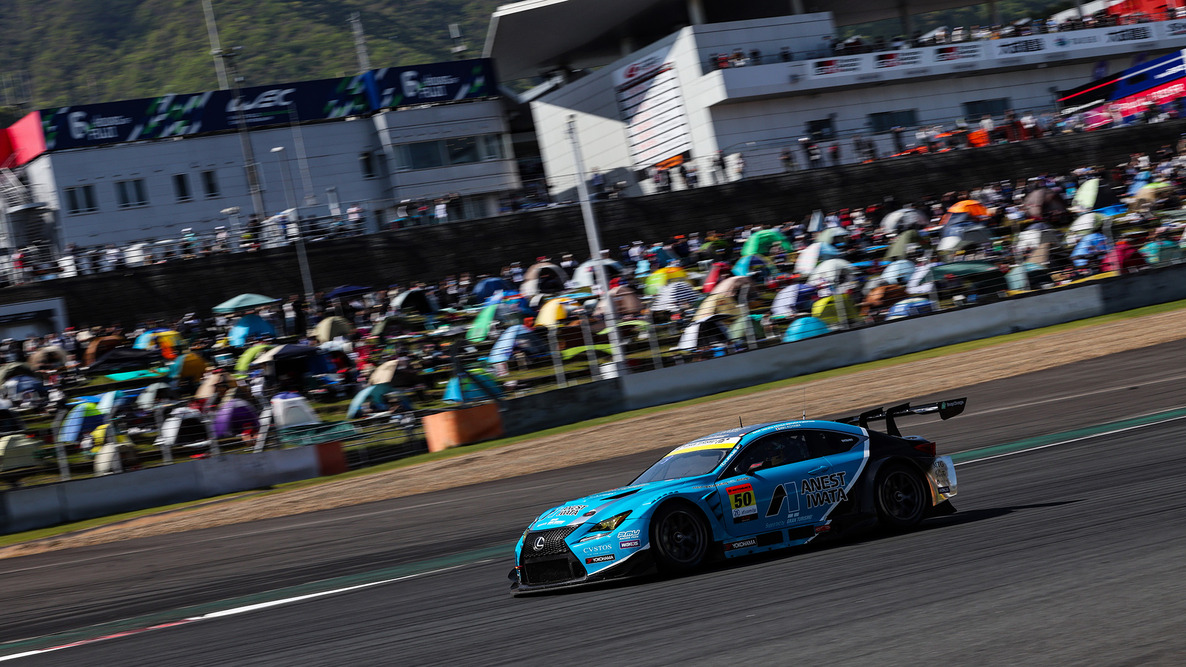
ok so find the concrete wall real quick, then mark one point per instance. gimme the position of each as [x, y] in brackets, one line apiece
[558, 407]
[432, 252]
[51, 504]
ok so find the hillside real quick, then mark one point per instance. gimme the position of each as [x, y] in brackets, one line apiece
[84, 51]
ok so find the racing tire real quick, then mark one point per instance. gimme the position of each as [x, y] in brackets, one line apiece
[680, 538]
[901, 496]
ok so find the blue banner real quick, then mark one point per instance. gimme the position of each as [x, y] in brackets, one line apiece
[394, 87]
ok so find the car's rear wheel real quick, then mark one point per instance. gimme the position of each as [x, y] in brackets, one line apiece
[902, 497]
[679, 537]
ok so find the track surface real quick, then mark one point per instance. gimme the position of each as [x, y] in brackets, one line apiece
[1069, 554]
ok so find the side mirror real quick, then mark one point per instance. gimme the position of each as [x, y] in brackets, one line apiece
[754, 467]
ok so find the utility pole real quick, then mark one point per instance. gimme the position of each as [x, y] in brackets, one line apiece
[249, 164]
[594, 239]
[215, 47]
[360, 43]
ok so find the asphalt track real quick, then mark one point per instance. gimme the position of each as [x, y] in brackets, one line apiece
[1072, 554]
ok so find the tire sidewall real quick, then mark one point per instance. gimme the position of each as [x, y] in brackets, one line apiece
[892, 473]
[665, 562]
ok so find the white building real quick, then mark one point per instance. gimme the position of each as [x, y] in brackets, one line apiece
[642, 85]
[146, 169]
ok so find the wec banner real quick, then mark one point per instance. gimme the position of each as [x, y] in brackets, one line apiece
[262, 106]
[214, 111]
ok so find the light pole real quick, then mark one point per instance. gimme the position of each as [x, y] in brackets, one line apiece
[611, 311]
[302, 260]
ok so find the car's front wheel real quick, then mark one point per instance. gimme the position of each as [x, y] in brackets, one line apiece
[679, 538]
[902, 497]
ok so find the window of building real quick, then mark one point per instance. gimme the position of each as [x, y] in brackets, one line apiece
[459, 150]
[131, 193]
[884, 121]
[366, 161]
[424, 155]
[462, 150]
[210, 183]
[181, 187]
[978, 108]
[80, 199]
[492, 147]
[821, 130]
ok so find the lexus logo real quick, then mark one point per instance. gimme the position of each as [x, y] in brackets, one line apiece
[539, 543]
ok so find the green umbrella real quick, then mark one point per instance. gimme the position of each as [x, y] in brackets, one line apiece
[574, 351]
[243, 364]
[480, 328]
[243, 301]
[759, 242]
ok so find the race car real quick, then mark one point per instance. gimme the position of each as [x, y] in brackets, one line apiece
[743, 491]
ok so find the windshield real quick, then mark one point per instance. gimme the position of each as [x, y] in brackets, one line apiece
[686, 463]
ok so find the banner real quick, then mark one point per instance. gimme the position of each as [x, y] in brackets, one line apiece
[262, 106]
[651, 104]
[393, 87]
[214, 111]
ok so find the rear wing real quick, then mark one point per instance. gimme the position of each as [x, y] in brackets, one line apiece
[946, 410]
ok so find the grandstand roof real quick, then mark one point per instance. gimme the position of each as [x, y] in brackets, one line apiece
[534, 36]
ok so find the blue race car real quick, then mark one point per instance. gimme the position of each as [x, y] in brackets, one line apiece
[743, 491]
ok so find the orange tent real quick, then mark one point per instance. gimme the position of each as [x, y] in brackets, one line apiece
[969, 206]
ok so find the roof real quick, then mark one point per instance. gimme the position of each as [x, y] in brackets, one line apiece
[531, 37]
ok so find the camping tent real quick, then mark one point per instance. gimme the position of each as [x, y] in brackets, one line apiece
[248, 327]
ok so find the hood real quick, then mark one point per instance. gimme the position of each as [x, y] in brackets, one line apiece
[600, 506]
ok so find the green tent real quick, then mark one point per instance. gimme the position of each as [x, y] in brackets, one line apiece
[243, 301]
[760, 242]
[243, 364]
[897, 249]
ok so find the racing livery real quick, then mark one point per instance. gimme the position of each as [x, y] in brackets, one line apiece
[743, 491]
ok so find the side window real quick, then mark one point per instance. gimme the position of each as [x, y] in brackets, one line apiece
[828, 443]
[776, 449]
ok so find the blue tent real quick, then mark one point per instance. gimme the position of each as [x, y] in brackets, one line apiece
[515, 337]
[1094, 244]
[82, 419]
[805, 327]
[486, 287]
[750, 263]
[372, 394]
[919, 305]
[247, 327]
[470, 389]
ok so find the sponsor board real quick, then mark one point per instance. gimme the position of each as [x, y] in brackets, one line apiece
[838, 65]
[897, 59]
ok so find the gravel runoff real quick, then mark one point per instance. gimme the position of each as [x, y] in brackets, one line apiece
[827, 396]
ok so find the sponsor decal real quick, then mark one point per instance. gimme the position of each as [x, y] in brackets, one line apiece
[944, 489]
[830, 66]
[571, 510]
[1176, 27]
[780, 498]
[742, 502]
[897, 59]
[598, 548]
[823, 490]
[1130, 34]
[590, 513]
[629, 534]
[945, 54]
[741, 544]
[1021, 46]
[599, 559]
[629, 544]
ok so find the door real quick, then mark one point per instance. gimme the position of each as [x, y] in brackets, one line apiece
[841, 458]
[767, 497]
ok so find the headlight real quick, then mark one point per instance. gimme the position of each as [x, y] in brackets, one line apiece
[610, 523]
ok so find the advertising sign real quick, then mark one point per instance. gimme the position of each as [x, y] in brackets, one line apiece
[213, 111]
[838, 65]
[889, 59]
[436, 82]
[651, 104]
